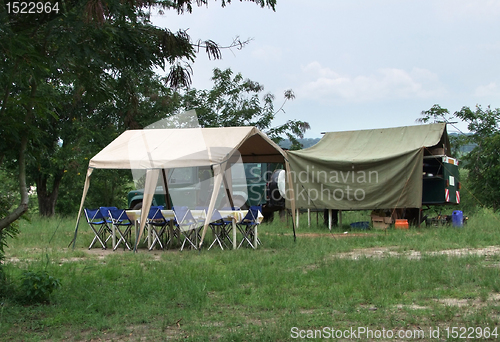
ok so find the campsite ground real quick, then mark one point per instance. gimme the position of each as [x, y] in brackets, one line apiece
[429, 280]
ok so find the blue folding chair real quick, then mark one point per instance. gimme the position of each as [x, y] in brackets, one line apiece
[120, 220]
[105, 213]
[99, 226]
[247, 226]
[187, 226]
[218, 226]
[158, 224]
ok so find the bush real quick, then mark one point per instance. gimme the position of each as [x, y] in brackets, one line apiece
[10, 231]
[8, 196]
[36, 287]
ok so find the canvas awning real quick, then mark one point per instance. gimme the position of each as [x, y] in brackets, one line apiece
[155, 150]
[365, 169]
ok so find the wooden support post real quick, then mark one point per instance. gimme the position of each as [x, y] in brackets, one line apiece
[233, 222]
[329, 219]
[309, 217]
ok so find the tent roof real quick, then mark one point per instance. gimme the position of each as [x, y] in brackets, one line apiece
[185, 147]
[376, 144]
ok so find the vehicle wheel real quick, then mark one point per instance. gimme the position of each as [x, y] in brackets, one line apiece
[137, 206]
[276, 189]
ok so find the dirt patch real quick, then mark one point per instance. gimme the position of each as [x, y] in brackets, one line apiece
[94, 253]
[412, 307]
[329, 235]
[467, 305]
[310, 267]
[381, 252]
[476, 303]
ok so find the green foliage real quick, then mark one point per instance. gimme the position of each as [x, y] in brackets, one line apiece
[37, 286]
[72, 80]
[9, 192]
[8, 196]
[108, 188]
[482, 163]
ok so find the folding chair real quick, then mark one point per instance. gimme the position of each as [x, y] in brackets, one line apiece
[187, 225]
[248, 224]
[158, 224]
[218, 226]
[105, 213]
[228, 225]
[99, 226]
[119, 220]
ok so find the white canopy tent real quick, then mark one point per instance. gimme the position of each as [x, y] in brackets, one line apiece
[157, 150]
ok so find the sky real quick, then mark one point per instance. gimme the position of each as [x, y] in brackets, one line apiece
[355, 64]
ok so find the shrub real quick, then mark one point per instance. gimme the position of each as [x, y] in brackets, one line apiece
[8, 196]
[36, 287]
[10, 231]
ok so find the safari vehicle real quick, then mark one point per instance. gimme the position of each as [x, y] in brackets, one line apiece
[441, 183]
[192, 186]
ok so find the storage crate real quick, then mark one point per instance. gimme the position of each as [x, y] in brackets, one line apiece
[381, 222]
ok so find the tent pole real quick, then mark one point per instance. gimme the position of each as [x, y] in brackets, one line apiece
[168, 204]
[292, 199]
[218, 175]
[228, 191]
[329, 219]
[167, 195]
[85, 189]
[147, 198]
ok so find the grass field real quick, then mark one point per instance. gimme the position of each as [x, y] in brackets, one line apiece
[410, 282]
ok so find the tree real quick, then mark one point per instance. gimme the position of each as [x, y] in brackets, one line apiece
[70, 59]
[235, 101]
[482, 162]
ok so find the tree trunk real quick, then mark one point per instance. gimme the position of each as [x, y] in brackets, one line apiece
[23, 189]
[23, 205]
[47, 201]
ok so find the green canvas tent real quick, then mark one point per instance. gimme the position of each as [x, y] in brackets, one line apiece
[365, 169]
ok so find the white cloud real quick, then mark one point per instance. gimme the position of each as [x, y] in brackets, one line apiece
[490, 89]
[325, 84]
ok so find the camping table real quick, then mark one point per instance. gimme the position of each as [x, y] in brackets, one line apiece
[234, 215]
[237, 216]
[135, 215]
